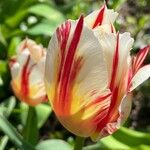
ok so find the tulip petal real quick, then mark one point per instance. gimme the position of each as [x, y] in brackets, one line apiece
[111, 127]
[14, 66]
[83, 82]
[139, 59]
[116, 51]
[141, 75]
[109, 42]
[36, 51]
[124, 109]
[100, 17]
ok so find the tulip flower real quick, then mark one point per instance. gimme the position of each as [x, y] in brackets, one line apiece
[90, 74]
[27, 70]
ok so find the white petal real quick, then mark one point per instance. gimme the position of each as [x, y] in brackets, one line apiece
[108, 42]
[125, 109]
[109, 17]
[15, 70]
[142, 75]
[23, 56]
[93, 74]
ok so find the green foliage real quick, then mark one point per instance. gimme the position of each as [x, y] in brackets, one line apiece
[42, 111]
[53, 145]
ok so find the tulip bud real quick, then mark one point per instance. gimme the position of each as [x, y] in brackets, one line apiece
[27, 70]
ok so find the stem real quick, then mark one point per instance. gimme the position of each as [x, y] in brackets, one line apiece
[30, 131]
[79, 143]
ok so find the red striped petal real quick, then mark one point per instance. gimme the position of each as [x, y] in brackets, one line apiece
[65, 74]
[100, 17]
[139, 59]
[115, 64]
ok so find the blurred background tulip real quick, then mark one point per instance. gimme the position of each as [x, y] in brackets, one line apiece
[27, 70]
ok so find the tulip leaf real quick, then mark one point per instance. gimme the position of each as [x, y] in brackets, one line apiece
[16, 19]
[107, 142]
[141, 147]
[2, 38]
[13, 135]
[99, 147]
[126, 139]
[43, 111]
[41, 29]
[131, 137]
[7, 106]
[13, 46]
[3, 142]
[3, 67]
[53, 145]
[47, 12]
[46, 27]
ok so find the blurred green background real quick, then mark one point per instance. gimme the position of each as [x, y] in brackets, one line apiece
[38, 19]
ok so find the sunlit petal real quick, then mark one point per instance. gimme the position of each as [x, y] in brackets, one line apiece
[141, 75]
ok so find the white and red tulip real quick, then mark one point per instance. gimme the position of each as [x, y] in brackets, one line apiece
[27, 70]
[90, 74]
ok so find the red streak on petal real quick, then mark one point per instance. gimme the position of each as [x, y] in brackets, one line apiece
[130, 75]
[62, 36]
[25, 78]
[109, 117]
[69, 62]
[101, 114]
[68, 69]
[99, 99]
[100, 17]
[139, 59]
[115, 64]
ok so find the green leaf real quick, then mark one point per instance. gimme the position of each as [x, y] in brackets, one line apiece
[7, 106]
[13, 135]
[43, 111]
[141, 147]
[46, 27]
[53, 145]
[30, 131]
[2, 38]
[13, 46]
[107, 142]
[15, 20]
[3, 67]
[131, 137]
[47, 12]
[3, 142]
[41, 29]
[126, 139]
